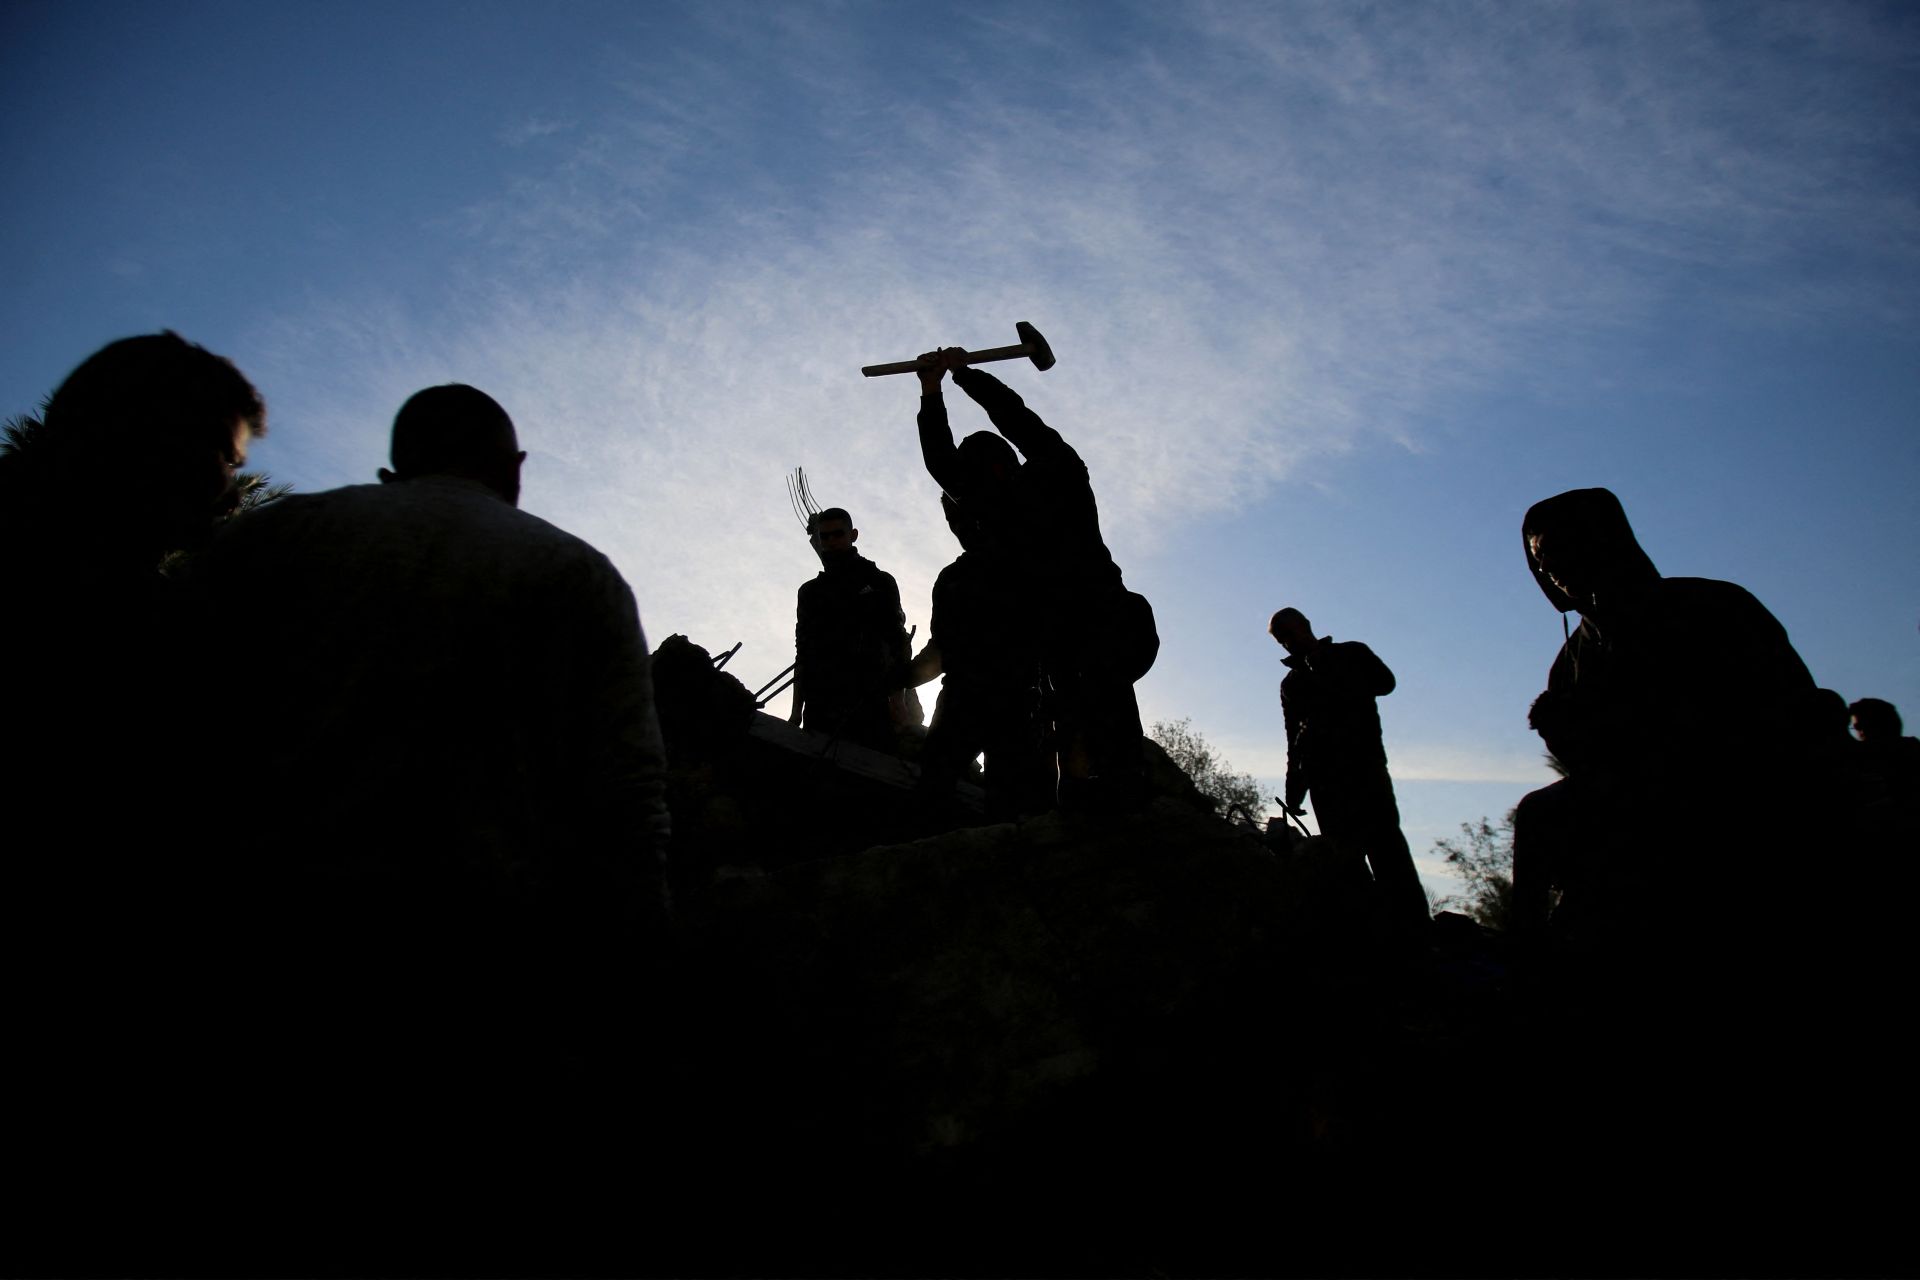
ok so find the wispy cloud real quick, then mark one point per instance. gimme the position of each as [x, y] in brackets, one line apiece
[533, 129]
[1256, 235]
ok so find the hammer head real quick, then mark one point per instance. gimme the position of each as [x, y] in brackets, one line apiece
[1042, 354]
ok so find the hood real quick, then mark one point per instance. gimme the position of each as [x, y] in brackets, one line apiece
[1591, 525]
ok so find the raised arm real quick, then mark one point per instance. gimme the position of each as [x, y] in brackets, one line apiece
[1010, 415]
[936, 436]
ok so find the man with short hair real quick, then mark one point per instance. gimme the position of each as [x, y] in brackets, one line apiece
[849, 640]
[456, 668]
[1335, 753]
[1889, 762]
[457, 738]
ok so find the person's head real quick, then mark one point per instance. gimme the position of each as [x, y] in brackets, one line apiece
[1875, 720]
[1582, 550]
[456, 430]
[986, 461]
[832, 533]
[1290, 627]
[156, 427]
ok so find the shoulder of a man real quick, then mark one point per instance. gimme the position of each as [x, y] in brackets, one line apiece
[1707, 610]
[1710, 595]
[311, 521]
[1684, 588]
[497, 532]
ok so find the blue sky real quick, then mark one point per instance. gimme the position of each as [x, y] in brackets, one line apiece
[1337, 291]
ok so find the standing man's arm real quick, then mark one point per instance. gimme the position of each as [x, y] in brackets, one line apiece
[799, 659]
[1296, 791]
[625, 758]
[900, 647]
[1353, 670]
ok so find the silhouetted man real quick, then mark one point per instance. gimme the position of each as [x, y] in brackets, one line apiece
[1335, 753]
[1889, 764]
[448, 924]
[1096, 638]
[1673, 708]
[108, 800]
[849, 639]
[984, 642]
[1676, 1000]
[134, 457]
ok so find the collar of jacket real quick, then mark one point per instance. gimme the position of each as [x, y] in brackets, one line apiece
[851, 562]
[1296, 662]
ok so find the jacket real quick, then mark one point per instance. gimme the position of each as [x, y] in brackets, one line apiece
[1663, 674]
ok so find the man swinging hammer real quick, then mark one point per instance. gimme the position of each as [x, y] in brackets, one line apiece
[1095, 637]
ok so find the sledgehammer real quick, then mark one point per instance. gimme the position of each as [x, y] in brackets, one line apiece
[1032, 346]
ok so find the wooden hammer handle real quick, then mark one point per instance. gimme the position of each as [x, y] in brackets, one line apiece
[973, 357]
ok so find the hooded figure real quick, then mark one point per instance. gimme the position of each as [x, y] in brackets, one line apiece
[1678, 1000]
[1664, 675]
[1674, 708]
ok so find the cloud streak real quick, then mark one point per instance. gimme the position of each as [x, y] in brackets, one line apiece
[1257, 236]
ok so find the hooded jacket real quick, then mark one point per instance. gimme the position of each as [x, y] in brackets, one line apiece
[1664, 676]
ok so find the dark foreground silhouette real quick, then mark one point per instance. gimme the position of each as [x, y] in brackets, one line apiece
[422, 1009]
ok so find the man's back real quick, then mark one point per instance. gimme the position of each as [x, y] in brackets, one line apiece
[444, 667]
[451, 914]
[982, 619]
